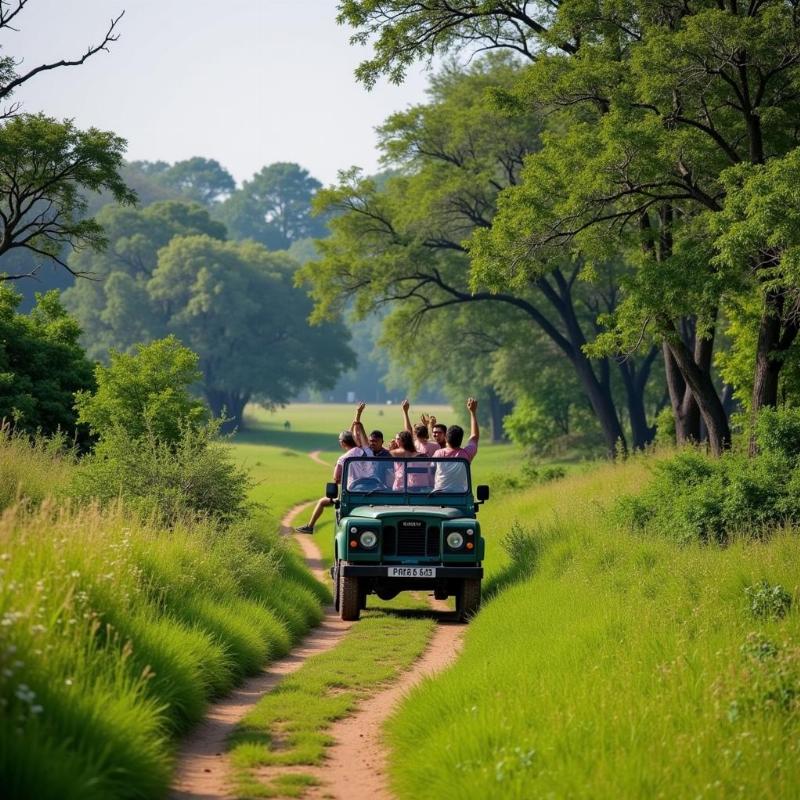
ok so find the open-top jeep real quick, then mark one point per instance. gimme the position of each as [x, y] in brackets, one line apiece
[407, 524]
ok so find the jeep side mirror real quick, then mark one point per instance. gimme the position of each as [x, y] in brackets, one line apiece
[482, 493]
[331, 491]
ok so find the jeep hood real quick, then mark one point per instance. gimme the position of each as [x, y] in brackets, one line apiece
[377, 512]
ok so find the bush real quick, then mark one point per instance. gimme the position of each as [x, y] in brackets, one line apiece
[768, 602]
[146, 392]
[778, 432]
[694, 497]
[194, 474]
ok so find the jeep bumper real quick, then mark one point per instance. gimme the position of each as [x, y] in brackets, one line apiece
[370, 571]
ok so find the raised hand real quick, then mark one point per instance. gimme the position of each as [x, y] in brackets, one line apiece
[360, 410]
[424, 419]
[472, 405]
[405, 405]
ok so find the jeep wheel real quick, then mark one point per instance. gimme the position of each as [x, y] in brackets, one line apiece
[349, 598]
[468, 599]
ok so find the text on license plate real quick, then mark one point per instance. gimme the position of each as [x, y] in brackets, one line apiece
[411, 572]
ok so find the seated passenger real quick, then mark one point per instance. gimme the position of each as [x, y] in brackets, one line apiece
[348, 443]
[418, 477]
[384, 473]
[452, 478]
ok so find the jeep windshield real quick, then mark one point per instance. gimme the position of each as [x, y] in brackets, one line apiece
[406, 476]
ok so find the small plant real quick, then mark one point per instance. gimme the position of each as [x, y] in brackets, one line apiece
[767, 601]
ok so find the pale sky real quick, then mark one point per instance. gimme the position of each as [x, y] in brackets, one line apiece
[247, 82]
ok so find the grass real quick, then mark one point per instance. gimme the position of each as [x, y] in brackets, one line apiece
[618, 665]
[289, 726]
[115, 632]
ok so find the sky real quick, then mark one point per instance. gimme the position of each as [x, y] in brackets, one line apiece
[248, 82]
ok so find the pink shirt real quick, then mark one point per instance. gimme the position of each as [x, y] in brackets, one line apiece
[427, 448]
[469, 452]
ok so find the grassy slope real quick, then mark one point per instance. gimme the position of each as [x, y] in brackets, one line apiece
[625, 667]
[114, 634]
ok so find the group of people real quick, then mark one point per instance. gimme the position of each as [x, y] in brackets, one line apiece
[413, 441]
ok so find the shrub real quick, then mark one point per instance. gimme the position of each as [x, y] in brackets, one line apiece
[768, 602]
[195, 474]
[778, 432]
[144, 393]
[694, 497]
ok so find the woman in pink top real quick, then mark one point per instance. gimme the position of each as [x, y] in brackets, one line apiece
[405, 449]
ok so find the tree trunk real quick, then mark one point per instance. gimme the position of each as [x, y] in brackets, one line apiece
[775, 336]
[635, 383]
[684, 408]
[602, 402]
[704, 393]
[497, 411]
[229, 406]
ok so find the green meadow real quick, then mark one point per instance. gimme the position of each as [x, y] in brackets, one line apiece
[610, 664]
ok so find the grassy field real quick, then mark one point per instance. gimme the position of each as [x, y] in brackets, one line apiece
[115, 632]
[623, 666]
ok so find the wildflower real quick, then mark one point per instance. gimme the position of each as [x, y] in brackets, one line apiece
[74, 574]
[68, 681]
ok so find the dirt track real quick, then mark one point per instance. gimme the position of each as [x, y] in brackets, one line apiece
[355, 765]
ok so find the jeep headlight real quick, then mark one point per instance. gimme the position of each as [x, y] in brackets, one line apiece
[454, 540]
[368, 539]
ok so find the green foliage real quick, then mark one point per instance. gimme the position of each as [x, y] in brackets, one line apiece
[41, 364]
[146, 392]
[274, 207]
[693, 497]
[778, 432]
[234, 304]
[115, 309]
[192, 473]
[48, 167]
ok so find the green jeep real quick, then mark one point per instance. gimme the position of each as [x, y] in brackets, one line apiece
[407, 524]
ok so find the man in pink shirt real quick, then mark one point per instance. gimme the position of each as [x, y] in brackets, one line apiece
[454, 480]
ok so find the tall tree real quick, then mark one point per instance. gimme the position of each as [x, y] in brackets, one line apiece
[47, 166]
[114, 308]
[405, 242]
[236, 306]
[274, 207]
[204, 180]
[665, 96]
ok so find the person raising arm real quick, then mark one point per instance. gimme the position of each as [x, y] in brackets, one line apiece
[419, 432]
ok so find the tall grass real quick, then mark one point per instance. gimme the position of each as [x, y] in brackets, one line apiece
[619, 665]
[33, 468]
[115, 631]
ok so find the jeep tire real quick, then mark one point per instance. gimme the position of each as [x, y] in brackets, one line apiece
[468, 599]
[349, 597]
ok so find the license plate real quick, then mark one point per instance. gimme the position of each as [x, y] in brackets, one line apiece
[411, 572]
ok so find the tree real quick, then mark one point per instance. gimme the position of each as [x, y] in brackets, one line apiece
[663, 98]
[41, 364]
[203, 180]
[274, 207]
[115, 309]
[144, 392]
[405, 242]
[11, 79]
[45, 168]
[235, 305]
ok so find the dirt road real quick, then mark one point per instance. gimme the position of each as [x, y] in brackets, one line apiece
[355, 765]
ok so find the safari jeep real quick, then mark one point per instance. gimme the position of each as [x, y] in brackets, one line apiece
[407, 524]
